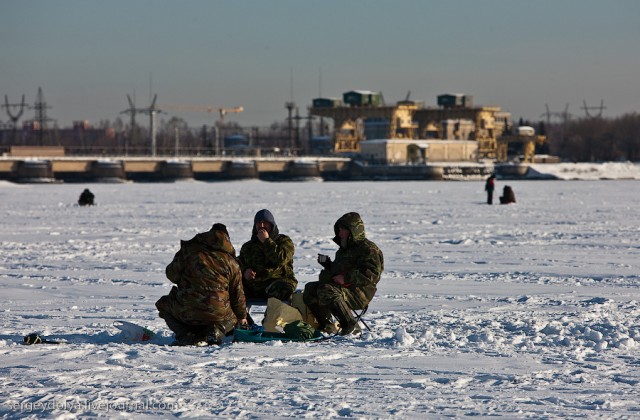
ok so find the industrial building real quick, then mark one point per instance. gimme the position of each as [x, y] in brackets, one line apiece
[407, 151]
[454, 130]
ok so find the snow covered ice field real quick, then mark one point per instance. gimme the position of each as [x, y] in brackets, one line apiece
[528, 310]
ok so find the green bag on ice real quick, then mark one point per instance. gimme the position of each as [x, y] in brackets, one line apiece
[299, 330]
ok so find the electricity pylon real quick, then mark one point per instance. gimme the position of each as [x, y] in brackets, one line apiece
[14, 117]
[41, 114]
[132, 111]
[599, 108]
[564, 115]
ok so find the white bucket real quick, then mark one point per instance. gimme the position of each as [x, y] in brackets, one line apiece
[133, 333]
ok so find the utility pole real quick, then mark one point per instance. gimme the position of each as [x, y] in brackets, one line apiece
[216, 133]
[290, 107]
[297, 129]
[309, 119]
[152, 110]
[319, 96]
[177, 131]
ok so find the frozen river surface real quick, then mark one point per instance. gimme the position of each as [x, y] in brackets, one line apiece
[525, 310]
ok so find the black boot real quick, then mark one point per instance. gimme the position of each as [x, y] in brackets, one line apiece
[322, 315]
[183, 334]
[215, 336]
[342, 312]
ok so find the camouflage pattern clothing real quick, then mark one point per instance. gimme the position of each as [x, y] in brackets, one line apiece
[272, 260]
[208, 295]
[360, 261]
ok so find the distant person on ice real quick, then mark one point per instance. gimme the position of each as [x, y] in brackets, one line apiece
[489, 186]
[508, 195]
[350, 281]
[207, 301]
[86, 198]
[266, 261]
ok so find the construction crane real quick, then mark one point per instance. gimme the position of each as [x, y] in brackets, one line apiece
[208, 109]
[225, 111]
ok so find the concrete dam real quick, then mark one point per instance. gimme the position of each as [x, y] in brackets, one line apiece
[130, 169]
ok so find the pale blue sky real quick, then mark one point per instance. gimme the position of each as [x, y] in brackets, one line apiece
[519, 55]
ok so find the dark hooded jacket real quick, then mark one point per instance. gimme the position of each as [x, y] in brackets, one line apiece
[209, 284]
[86, 198]
[271, 260]
[508, 196]
[360, 261]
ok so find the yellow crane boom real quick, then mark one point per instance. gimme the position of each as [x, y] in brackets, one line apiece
[203, 108]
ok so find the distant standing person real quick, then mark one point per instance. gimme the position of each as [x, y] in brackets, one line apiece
[489, 186]
[508, 196]
[266, 261]
[86, 198]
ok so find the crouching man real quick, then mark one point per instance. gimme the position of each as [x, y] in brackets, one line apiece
[350, 281]
[86, 198]
[207, 300]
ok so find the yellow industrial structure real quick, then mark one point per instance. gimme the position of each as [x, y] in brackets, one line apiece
[528, 141]
[362, 115]
[349, 123]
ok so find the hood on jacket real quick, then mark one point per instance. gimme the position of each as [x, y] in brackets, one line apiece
[354, 224]
[216, 239]
[265, 215]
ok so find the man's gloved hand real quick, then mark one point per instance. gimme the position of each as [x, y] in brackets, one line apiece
[324, 260]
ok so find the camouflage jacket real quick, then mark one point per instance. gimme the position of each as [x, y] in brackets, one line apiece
[361, 262]
[271, 260]
[208, 279]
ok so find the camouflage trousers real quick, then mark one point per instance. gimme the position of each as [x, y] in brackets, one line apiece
[326, 294]
[197, 331]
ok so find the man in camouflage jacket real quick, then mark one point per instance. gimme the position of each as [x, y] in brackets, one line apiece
[208, 300]
[350, 281]
[266, 260]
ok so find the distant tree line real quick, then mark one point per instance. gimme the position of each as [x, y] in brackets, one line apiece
[593, 139]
